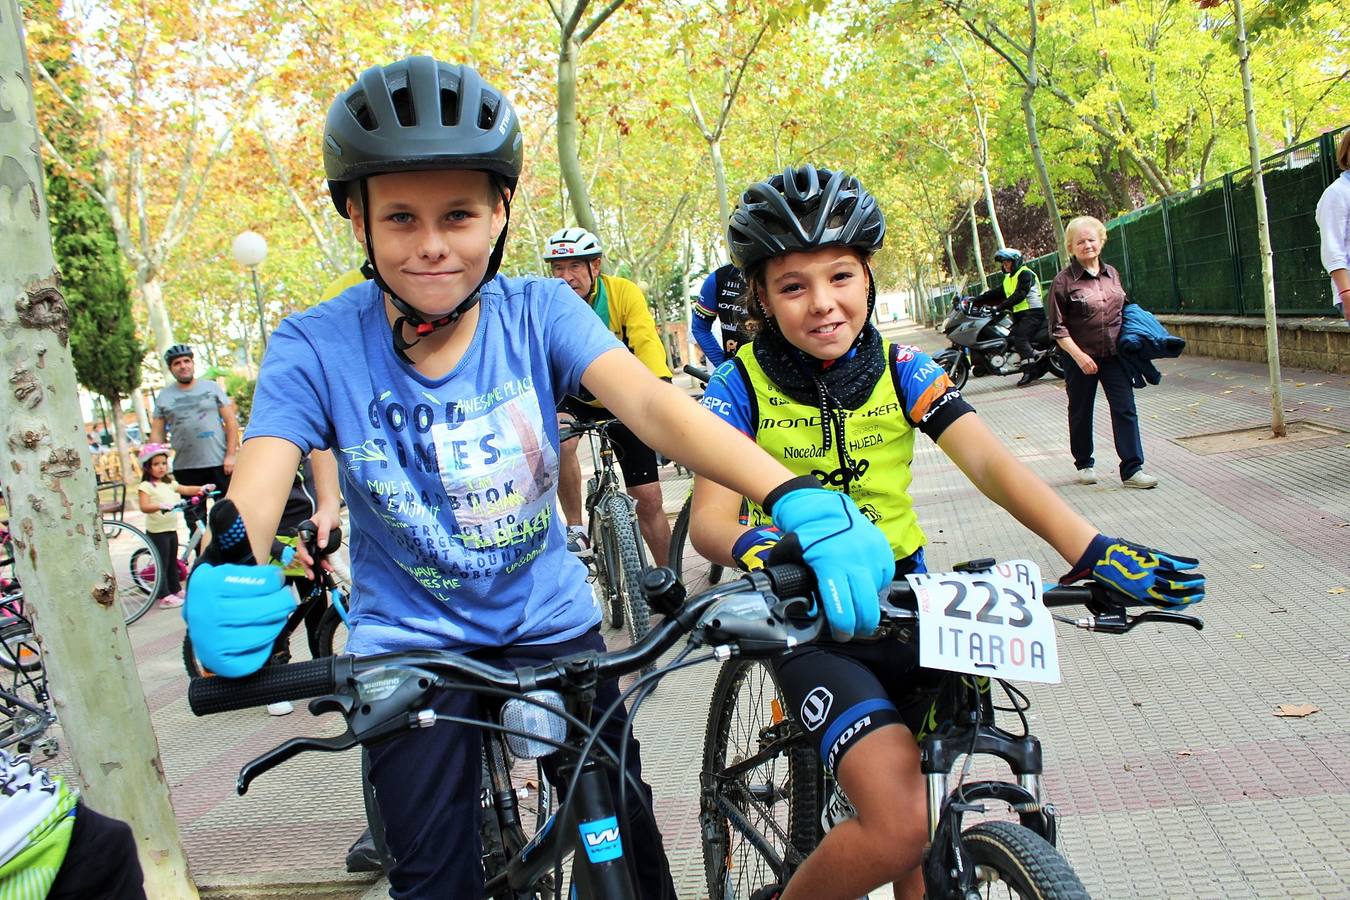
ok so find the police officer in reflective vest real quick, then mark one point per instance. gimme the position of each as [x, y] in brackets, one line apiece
[1019, 293]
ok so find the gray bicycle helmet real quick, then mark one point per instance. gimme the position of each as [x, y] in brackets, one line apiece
[419, 114]
[415, 115]
[175, 352]
[803, 209]
[1007, 254]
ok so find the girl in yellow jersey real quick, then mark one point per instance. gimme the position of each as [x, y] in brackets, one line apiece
[823, 392]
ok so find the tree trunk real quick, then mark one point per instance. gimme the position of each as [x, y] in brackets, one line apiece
[120, 442]
[568, 159]
[958, 279]
[1042, 173]
[152, 292]
[1277, 425]
[989, 205]
[975, 244]
[60, 555]
[142, 415]
[720, 178]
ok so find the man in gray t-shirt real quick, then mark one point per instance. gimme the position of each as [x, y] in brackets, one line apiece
[201, 422]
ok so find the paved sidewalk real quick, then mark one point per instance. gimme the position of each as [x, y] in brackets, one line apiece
[1173, 776]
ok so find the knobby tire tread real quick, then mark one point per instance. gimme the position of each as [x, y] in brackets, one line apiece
[1025, 861]
[626, 569]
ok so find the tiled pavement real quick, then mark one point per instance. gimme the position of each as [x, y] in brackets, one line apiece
[1173, 776]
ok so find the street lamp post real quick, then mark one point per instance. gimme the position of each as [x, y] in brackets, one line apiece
[250, 249]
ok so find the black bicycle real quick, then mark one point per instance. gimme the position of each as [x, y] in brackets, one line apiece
[325, 600]
[546, 710]
[26, 713]
[765, 800]
[618, 556]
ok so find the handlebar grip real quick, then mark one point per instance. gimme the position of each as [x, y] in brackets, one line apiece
[697, 372]
[296, 681]
[790, 579]
[308, 532]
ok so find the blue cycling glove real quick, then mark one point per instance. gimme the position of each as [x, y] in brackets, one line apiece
[234, 614]
[851, 558]
[234, 611]
[1149, 576]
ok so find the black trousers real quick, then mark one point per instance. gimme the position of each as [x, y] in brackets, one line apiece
[1082, 392]
[166, 545]
[1025, 326]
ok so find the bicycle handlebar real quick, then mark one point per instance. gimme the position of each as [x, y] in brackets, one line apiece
[698, 373]
[758, 614]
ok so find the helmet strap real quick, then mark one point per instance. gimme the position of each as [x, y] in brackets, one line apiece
[409, 316]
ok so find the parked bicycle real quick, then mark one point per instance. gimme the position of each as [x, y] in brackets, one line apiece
[765, 801]
[618, 556]
[25, 705]
[129, 548]
[326, 599]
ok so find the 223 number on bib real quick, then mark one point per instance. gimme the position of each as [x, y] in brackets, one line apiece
[987, 623]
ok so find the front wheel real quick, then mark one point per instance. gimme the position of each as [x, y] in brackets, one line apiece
[699, 574]
[957, 366]
[136, 568]
[758, 823]
[1013, 861]
[625, 567]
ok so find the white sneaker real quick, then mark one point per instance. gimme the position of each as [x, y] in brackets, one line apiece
[1087, 476]
[1141, 481]
[283, 708]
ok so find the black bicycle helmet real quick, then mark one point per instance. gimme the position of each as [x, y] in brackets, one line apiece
[802, 209]
[1007, 254]
[419, 114]
[414, 115]
[175, 352]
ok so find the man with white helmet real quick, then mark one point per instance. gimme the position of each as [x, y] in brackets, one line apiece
[574, 255]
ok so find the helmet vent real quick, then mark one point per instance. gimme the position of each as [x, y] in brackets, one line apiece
[402, 100]
[449, 107]
[487, 114]
[361, 111]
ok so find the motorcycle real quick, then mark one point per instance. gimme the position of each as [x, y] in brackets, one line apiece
[980, 345]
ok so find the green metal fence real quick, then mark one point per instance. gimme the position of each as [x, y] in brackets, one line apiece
[1196, 252]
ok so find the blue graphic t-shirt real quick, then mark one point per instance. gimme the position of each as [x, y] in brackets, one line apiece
[451, 482]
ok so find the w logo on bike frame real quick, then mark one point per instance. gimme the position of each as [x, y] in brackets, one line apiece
[816, 708]
[601, 839]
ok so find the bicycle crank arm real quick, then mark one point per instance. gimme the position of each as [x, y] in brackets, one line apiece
[278, 755]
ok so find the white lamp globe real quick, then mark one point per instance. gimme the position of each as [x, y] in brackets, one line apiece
[249, 249]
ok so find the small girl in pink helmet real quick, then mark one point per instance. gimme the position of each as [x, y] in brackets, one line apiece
[158, 494]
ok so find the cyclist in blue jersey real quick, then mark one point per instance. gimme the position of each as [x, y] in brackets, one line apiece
[435, 383]
[720, 300]
[821, 390]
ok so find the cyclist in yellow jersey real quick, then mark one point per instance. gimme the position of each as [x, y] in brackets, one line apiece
[575, 256]
[824, 393]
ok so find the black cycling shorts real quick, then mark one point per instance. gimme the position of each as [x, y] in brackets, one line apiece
[636, 459]
[840, 692]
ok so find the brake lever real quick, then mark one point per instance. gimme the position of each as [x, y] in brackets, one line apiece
[1166, 617]
[278, 755]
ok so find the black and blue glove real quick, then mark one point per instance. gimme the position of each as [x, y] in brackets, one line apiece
[234, 611]
[751, 550]
[1147, 575]
[851, 558]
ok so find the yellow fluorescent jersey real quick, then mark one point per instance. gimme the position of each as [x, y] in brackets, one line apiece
[631, 321]
[341, 283]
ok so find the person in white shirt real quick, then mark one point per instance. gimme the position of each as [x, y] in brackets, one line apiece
[1333, 220]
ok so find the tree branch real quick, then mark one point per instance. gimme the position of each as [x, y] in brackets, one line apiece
[599, 20]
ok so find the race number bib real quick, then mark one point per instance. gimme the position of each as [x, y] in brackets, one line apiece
[987, 623]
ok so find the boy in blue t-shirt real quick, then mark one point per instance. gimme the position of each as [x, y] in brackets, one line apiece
[434, 383]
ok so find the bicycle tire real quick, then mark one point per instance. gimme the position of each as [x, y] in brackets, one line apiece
[135, 592]
[604, 558]
[779, 800]
[1022, 861]
[627, 569]
[332, 634]
[18, 653]
[702, 574]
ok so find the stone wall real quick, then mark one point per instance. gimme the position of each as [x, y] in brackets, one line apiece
[1321, 343]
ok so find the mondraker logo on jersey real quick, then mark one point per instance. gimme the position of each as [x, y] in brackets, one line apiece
[816, 708]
